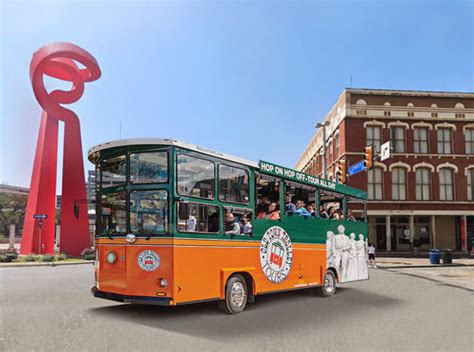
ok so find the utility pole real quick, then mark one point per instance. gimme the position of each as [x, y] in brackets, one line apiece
[323, 125]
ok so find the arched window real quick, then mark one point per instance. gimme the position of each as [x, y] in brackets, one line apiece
[444, 140]
[446, 185]
[373, 137]
[375, 184]
[469, 135]
[423, 184]
[336, 145]
[420, 140]
[398, 139]
[399, 184]
[470, 184]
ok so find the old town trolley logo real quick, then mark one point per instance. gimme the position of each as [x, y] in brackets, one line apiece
[276, 254]
[148, 260]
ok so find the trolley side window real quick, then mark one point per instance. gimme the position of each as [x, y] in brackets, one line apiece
[195, 177]
[195, 217]
[233, 184]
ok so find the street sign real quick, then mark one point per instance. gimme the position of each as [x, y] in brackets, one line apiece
[40, 216]
[385, 151]
[356, 168]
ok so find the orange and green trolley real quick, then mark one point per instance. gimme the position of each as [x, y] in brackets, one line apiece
[164, 233]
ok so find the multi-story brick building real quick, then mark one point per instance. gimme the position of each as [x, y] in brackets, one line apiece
[424, 193]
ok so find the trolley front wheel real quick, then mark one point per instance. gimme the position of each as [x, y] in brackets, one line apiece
[235, 295]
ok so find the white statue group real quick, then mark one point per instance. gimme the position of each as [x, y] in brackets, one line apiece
[347, 255]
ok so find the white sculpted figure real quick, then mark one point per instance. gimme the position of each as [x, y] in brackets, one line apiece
[330, 250]
[342, 246]
[352, 267]
[362, 258]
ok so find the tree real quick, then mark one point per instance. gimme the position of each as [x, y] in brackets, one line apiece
[12, 212]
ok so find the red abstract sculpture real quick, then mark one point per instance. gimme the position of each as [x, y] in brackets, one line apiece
[58, 60]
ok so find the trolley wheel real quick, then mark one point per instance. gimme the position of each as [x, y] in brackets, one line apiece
[328, 287]
[235, 295]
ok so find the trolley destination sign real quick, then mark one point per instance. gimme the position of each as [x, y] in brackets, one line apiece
[293, 175]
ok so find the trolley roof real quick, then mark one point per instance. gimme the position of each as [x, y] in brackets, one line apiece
[94, 152]
[264, 167]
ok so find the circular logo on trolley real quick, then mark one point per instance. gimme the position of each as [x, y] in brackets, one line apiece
[276, 254]
[148, 260]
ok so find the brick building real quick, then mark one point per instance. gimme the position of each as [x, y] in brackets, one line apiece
[423, 194]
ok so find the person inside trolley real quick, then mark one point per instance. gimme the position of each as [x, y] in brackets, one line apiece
[271, 214]
[232, 227]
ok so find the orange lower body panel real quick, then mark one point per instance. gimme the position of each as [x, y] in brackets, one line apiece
[197, 270]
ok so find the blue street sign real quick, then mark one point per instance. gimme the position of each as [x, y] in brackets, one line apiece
[356, 168]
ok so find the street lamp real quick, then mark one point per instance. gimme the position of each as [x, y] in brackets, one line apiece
[323, 125]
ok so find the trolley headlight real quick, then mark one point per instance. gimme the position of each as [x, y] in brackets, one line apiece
[163, 282]
[111, 258]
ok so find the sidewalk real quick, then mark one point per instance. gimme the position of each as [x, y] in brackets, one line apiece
[459, 275]
[57, 263]
[394, 262]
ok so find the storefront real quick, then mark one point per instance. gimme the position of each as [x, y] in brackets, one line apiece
[407, 233]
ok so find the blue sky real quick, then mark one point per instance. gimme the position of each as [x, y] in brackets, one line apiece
[248, 78]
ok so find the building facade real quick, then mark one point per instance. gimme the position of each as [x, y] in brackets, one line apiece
[423, 195]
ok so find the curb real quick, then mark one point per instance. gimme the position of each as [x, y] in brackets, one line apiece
[29, 265]
[423, 266]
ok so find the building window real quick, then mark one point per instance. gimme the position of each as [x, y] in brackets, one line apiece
[434, 114]
[470, 184]
[374, 185]
[399, 186]
[422, 230]
[336, 144]
[373, 137]
[398, 139]
[446, 184]
[423, 184]
[329, 147]
[386, 113]
[444, 141]
[470, 141]
[410, 114]
[420, 138]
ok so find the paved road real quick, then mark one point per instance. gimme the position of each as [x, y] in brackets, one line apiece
[51, 309]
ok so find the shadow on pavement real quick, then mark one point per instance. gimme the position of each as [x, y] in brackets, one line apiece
[270, 314]
[439, 282]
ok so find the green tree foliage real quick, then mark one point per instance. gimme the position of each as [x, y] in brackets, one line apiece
[12, 211]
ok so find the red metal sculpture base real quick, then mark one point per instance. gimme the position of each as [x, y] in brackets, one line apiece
[58, 61]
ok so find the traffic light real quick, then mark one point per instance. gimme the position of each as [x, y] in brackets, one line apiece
[369, 157]
[341, 171]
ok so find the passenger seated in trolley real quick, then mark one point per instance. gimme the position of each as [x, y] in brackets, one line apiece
[246, 227]
[271, 214]
[301, 210]
[232, 227]
[290, 208]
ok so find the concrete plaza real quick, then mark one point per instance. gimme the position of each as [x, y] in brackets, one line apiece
[51, 309]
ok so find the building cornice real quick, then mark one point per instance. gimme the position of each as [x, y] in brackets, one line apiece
[409, 93]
